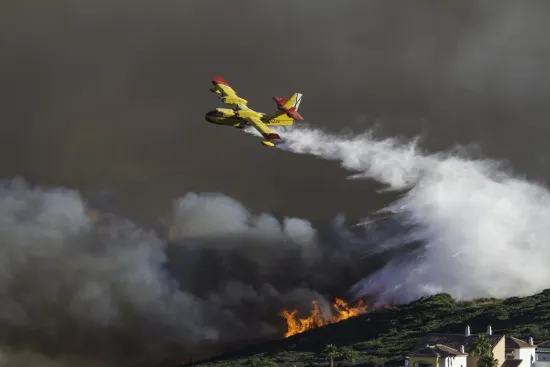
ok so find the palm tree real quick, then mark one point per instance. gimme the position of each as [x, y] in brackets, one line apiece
[331, 351]
[484, 350]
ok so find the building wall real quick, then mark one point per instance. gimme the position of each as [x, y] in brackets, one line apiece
[458, 361]
[527, 355]
[415, 361]
[472, 361]
[542, 356]
[499, 351]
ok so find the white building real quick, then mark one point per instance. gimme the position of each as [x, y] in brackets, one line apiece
[519, 353]
[453, 350]
[439, 355]
[542, 354]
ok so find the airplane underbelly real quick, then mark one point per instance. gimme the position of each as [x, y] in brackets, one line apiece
[234, 121]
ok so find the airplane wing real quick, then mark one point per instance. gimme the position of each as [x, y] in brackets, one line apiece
[272, 138]
[227, 94]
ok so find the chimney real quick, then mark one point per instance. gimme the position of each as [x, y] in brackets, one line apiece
[489, 330]
[461, 349]
[531, 340]
[467, 333]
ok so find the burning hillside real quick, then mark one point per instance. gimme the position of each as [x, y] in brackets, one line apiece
[317, 319]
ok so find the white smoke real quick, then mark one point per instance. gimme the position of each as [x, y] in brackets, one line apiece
[483, 231]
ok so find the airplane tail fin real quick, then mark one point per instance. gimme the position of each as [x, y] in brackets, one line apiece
[287, 111]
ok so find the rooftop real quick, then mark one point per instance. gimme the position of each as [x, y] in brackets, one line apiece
[452, 341]
[544, 345]
[512, 363]
[437, 350]
[515, 343]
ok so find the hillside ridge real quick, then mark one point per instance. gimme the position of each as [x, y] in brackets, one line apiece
[385, 336]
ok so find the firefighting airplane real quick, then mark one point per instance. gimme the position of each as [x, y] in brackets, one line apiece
[241, 115]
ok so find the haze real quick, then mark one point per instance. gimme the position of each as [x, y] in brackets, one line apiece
[111, 95]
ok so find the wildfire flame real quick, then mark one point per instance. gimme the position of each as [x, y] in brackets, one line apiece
[316, 319]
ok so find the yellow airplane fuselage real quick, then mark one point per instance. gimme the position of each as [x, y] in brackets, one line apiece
[229, 117]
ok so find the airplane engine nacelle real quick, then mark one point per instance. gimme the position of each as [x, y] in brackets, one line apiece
[219, 115]
[226, 112]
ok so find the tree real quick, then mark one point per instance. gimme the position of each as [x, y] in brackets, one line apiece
[484, 350]
[350, 355]
[331, 351]
[261, 362]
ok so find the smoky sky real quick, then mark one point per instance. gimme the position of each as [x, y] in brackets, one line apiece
[108, 98]
[110, 95]
[109, 293]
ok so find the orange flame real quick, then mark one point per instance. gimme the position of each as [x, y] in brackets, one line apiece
[343, 311]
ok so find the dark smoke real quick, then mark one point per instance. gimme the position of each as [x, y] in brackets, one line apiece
[106, 291]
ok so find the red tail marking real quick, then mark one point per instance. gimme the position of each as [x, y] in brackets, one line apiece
[280, 101]
[272, 136]
[294, 114]
[219, 80]
[290, 111]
